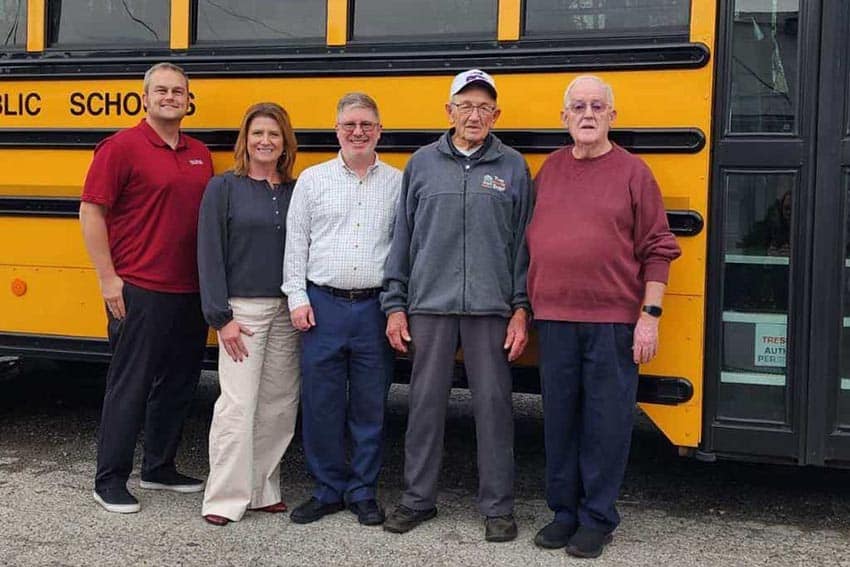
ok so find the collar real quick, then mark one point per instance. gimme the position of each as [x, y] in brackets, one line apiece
[489, 151]
[154, 138]
[377, 163]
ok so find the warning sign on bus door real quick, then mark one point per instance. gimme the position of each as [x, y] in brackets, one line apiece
[770, 344]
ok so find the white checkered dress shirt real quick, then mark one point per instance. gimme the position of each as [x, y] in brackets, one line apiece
[338, 228]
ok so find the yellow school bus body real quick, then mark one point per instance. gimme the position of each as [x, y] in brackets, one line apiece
[45, 257]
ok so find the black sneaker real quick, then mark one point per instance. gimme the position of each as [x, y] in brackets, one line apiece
[313, 510]
[117, 500]
[173, 481]
[369, 512]
[554, 535]
[588, 543]
[404, 519]
[500, 528]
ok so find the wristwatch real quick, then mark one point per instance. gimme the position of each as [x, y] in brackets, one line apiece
[653, 310]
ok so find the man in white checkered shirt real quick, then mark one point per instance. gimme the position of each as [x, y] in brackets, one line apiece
[338, 233]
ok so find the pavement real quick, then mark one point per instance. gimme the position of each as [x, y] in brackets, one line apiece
[675, 511]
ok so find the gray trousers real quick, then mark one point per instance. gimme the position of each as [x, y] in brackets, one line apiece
[434, 344]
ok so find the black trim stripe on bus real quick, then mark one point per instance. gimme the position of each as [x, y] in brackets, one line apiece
[682, 222]
[376, 60]
[637, 140]
[664, 390]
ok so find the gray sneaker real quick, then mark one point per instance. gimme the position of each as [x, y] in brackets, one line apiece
[404, 519]
[500, 528]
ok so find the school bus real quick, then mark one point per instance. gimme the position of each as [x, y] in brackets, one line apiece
[738, 106]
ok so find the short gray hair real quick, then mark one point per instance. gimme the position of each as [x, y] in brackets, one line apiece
[165, 65]
[609, 92]
[357, 100]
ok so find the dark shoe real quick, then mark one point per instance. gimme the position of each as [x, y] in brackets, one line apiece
[117, 500]
[216, 520]
[369, 512]
[554, 535]
[313, 510]
[500, 528]
[588, 543]
[404, 519]
[272, 508]
[173, 481]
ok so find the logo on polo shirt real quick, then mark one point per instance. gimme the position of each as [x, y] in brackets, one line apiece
[196, 162]
[493, 182]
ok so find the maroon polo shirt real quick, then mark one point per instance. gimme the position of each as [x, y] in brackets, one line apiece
[152, 194]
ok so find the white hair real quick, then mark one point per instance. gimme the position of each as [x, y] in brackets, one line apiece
[609, 92]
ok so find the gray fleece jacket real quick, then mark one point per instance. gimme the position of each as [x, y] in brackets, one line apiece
[459, 238]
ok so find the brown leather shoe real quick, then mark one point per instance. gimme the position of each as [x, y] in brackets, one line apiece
[272, 508]
[216, 520]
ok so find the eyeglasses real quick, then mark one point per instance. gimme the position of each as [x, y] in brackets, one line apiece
[579, 107]
[466, 109]
[352, 126]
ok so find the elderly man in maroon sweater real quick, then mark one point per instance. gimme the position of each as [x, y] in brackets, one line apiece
[600, 253]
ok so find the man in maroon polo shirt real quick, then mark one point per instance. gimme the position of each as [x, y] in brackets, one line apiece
[600, 252]
[139, 215]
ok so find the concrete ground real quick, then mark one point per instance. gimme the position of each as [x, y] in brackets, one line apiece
[675, 511]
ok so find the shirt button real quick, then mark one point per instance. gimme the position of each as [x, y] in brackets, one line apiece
[274, 198]
[277, 227]
[355, 268]
[355, 245]
[357, 225]
[277, 212]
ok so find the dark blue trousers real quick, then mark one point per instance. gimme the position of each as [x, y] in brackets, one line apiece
[157, 350]
[589, 384]
[346, 366]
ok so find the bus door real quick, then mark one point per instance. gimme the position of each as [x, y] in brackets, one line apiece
[778, 316]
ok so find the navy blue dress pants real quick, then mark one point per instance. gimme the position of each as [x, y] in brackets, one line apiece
[589, 383]
[157, 350]
[346, 371]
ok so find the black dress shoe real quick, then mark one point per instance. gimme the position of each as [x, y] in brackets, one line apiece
[369, 512]
[588, 543]
[554, 535]
[404, 519]
[313, 510]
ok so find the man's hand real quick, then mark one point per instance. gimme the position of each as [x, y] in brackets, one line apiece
[303, 318]
[516, 336]
[397, 331]
[230, 338]
[112, 289]
[645, 345]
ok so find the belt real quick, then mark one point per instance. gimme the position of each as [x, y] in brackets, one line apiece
[350, 294]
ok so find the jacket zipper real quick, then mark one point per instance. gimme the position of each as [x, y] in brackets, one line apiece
[466, 167]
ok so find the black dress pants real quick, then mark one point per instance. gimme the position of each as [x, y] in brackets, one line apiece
[157, 350]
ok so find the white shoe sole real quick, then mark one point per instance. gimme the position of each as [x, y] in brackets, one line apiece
[181, 488]
[117, 508]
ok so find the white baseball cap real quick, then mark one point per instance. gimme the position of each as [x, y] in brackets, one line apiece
[463, 80]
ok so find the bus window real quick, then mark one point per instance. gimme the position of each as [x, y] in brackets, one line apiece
[253, 21]
[757, 245]
[649, 19]
[84, 23]
[764, 66]
[13, 23]
[400, 20]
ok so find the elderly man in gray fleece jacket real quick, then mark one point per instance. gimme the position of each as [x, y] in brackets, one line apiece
[455, 276]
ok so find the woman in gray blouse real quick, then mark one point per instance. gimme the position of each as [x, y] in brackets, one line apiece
[241, 234]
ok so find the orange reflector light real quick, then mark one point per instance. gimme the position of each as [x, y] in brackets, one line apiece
[19, 287]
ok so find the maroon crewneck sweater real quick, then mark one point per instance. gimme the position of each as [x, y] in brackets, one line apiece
[599, 231]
